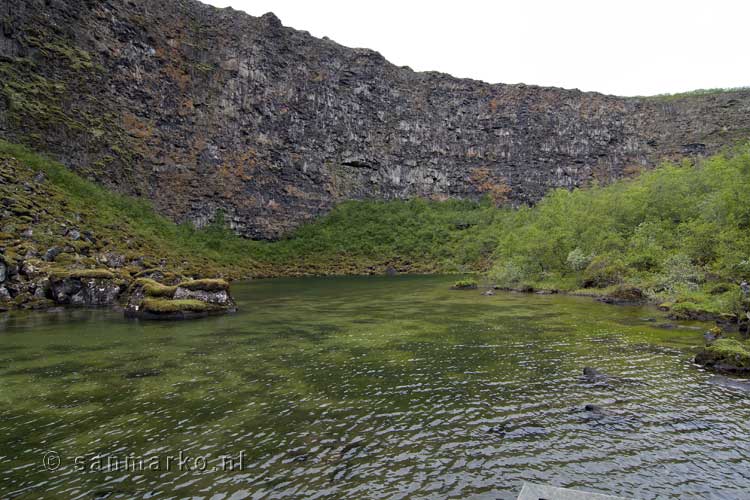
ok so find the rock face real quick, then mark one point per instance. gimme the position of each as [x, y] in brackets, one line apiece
[205, 111]
[86, 288]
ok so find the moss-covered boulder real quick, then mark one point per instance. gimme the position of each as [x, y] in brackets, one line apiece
[467, 284]
[726, 355]
[149, 299]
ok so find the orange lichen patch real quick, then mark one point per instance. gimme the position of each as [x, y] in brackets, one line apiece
[135, 126]
[485, 182]
[178, 75]
[272, 204]
[186, 107]
[295, 192]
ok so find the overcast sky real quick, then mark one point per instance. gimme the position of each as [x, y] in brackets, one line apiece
[633, 47]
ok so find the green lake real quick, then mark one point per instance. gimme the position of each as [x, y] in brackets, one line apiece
[365, 388]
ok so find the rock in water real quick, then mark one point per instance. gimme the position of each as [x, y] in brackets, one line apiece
[725, 355]
[149, 299]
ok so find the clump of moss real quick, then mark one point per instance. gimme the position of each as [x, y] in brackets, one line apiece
[725, 355]
[207, 285]
[467, 284]
[153, 288]
[165, 306]
[82, 273]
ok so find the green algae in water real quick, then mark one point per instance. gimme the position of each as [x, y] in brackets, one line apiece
[371, 388]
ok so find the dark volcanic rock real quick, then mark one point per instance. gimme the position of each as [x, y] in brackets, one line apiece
[204, 110]
[83, 290]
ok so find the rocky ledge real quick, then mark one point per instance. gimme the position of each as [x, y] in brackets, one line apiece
[151, 294]
[149, 299]
[725, 355]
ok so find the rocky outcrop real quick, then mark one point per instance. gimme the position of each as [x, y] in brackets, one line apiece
[725, 355]
[149, 299]
[204, 111]
[94, 287]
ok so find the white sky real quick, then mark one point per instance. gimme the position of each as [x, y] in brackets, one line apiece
[635, 47]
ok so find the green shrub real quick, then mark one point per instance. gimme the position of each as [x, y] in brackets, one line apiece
[603, 271]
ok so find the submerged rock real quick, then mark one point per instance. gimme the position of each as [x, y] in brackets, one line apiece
[730, 383]
[592, 375]
[725, 355]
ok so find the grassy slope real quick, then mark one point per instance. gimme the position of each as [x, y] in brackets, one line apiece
[356, 238]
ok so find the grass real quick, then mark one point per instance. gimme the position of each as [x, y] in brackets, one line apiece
[467, 284]
[206, 284]
[726, 353]
[357, 237]
[83, 274]
[698, 93]
[153, 288]
[166, 306]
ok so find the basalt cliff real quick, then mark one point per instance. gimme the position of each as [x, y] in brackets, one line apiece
[203, 110]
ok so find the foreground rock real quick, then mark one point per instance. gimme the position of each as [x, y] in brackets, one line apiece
[725, 355]
[149, 299]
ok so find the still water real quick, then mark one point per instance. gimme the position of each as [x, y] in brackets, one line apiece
[365, 388]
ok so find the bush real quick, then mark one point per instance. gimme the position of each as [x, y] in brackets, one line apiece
[603, 271]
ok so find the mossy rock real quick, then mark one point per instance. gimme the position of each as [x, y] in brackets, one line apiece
[691, 311]
[152, 288]
[727, 355]
[82, 274]
[207, 285]
[465, 285]
[156, 305]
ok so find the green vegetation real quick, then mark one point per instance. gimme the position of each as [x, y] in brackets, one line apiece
[467, 284]
[82, 273]
[698, 93]
[164, 306]
[153, 288]
[208, 285]
[679, 233]
[355, 238]
[728, 354]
